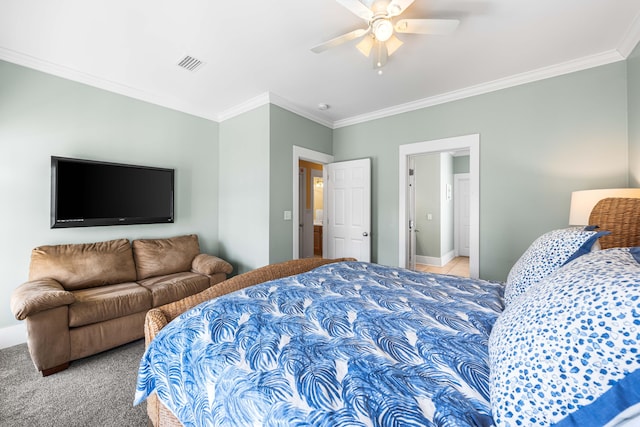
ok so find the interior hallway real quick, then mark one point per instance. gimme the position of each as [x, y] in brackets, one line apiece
[458, 266]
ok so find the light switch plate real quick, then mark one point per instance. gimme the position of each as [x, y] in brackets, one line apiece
[287, 215]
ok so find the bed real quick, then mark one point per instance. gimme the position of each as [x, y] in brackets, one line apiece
[339, 342]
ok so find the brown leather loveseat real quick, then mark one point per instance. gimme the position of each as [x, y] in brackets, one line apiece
[82, 299]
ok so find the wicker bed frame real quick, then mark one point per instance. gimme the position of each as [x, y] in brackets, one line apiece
[158, 317]
[621, 216]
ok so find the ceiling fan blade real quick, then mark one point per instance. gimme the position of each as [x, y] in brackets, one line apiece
[396, 7]
[365, 46]
[427, 26]
[340, 40]
[357, 8]
[393, 44]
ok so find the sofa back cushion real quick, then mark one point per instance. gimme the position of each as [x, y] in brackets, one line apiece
[84, 265]
[158, 257]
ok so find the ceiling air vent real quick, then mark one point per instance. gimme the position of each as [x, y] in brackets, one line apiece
[190, 63]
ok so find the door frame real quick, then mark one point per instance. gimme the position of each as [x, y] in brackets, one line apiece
[301, 153]
[470, 142]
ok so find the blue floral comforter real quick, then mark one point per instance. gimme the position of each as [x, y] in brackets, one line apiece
[347, 344]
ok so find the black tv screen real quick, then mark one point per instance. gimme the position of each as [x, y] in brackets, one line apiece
[88, 193]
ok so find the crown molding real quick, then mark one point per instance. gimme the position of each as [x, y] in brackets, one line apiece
[290, 106]
[629, 42]
[97, 82]
[631, 38]
[128, 91]
[244, 107]
[516, 80]
[271, 98]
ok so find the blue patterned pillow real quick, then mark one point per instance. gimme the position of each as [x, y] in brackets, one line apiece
[547, 253]
[568, 350]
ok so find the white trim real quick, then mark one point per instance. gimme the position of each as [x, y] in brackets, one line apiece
[631, 38]
[301, 153]
[492, 86]
[290, 106]
[271, 98]
[428, 260]
[99, 82]
[435, 261]
[447, 258]
[457, 177]
[472, 142]
[244, 107]
[629, 41]
[13, 335]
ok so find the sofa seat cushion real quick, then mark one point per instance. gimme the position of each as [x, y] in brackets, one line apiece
[166, 289]
[159, 257]
[84, 265]
[108, 302]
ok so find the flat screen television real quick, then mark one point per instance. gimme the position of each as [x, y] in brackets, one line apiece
[87, 193]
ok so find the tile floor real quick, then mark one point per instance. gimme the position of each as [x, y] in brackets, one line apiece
[458, 266]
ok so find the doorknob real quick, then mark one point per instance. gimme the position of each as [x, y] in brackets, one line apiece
[365, 234]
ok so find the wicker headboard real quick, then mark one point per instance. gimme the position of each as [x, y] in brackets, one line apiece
[620, 216]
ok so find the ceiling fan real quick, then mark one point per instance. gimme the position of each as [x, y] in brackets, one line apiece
[379, 36]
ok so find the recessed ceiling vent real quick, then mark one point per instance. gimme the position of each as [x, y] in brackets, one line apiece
[190, 63]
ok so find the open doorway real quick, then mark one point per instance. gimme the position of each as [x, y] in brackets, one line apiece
[305, 154]
[346, 216]
[407, 222]
[311, 209]
[439, 212]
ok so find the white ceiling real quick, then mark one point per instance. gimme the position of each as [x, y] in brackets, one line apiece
[259, 51]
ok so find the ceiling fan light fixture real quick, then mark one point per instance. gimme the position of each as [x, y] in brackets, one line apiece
[380, 35]
[382, 29]
[393, 44]
[365, 46]
[394, 9]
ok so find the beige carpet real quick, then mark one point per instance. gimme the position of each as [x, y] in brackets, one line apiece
[95, 391]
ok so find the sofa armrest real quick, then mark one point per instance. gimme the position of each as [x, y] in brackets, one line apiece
[209, 264]
[38, 295]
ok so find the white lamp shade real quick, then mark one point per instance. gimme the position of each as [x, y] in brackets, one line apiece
[582, 202]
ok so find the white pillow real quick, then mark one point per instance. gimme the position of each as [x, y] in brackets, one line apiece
[546, 254]
[568, 350]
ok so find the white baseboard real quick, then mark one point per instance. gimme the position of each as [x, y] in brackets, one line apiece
[13, 335]
[435, 261]
[428, 260]
[447, 258]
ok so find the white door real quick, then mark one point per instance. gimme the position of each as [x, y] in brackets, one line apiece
[348, 210]
[462, 213]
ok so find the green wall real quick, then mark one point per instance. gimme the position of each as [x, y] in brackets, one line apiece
[42, 115]
[288, 129]
[256, 168]
[461, 164]
[633, 73]
[538, 143]
[427, 201]
[244, 189]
